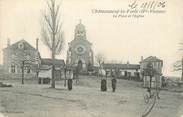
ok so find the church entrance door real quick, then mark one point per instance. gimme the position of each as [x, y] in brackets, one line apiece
[80, 65]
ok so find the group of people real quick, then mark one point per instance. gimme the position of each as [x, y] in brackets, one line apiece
[104, 80]
[74, 75]
[104, 84]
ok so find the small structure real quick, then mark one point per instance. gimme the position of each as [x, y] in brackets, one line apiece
[157, 65]
[122, 70]
[46, 66]
[44, 73]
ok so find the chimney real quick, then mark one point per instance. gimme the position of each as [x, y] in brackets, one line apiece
[142, 58]
[37, 44]
[8, 42]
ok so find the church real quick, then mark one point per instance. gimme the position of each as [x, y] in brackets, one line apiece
[80, 53]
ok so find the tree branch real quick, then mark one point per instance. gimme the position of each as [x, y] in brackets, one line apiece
[48, 22]
[52, 35]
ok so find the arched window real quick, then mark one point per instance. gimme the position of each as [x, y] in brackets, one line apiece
[12, 68]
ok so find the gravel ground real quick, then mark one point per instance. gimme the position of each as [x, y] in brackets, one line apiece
[85, 100]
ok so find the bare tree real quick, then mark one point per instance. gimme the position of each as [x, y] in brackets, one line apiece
[51, 32]
[181, 49]
[178, 65]
[99, 58]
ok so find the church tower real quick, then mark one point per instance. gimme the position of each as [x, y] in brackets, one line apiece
[80, 53]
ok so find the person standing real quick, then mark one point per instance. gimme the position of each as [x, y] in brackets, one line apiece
[113, 84]
[70, 80]
[103, 85]
[103, 80]
[77, 75]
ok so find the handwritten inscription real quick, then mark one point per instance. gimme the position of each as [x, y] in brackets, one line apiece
[147, 5]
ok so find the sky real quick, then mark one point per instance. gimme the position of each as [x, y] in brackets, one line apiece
[119, 39]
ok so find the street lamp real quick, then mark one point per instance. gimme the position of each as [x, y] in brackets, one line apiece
[65, 71]
[25, 60]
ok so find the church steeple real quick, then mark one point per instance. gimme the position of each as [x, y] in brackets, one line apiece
[80, 20]
[80, 32]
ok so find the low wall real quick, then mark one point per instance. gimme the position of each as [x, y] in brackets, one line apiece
[4, 75]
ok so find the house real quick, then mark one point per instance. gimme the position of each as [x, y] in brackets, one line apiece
[45, 68]
[122, 70]
[18, 55]
[157, 65]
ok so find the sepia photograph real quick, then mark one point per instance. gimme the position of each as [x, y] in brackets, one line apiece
[91, 58]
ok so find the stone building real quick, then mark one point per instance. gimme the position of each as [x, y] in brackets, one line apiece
[157, 65]
[128, 71]
[80, 53]
[14, 55]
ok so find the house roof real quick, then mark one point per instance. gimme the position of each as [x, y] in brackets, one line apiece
[48, 61]
[14, 46]
[45, 67]
[120, 66]
[151, 59]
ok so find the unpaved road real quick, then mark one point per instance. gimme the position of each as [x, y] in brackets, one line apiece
[85, 100]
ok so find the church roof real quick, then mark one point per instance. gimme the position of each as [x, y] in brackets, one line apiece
[151, 59]
[14, 46]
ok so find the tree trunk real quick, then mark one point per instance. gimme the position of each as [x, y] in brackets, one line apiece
[98, 72]
[37, 75]
[53, 77]
[37, 72]
[65, 77]
[53, 64]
